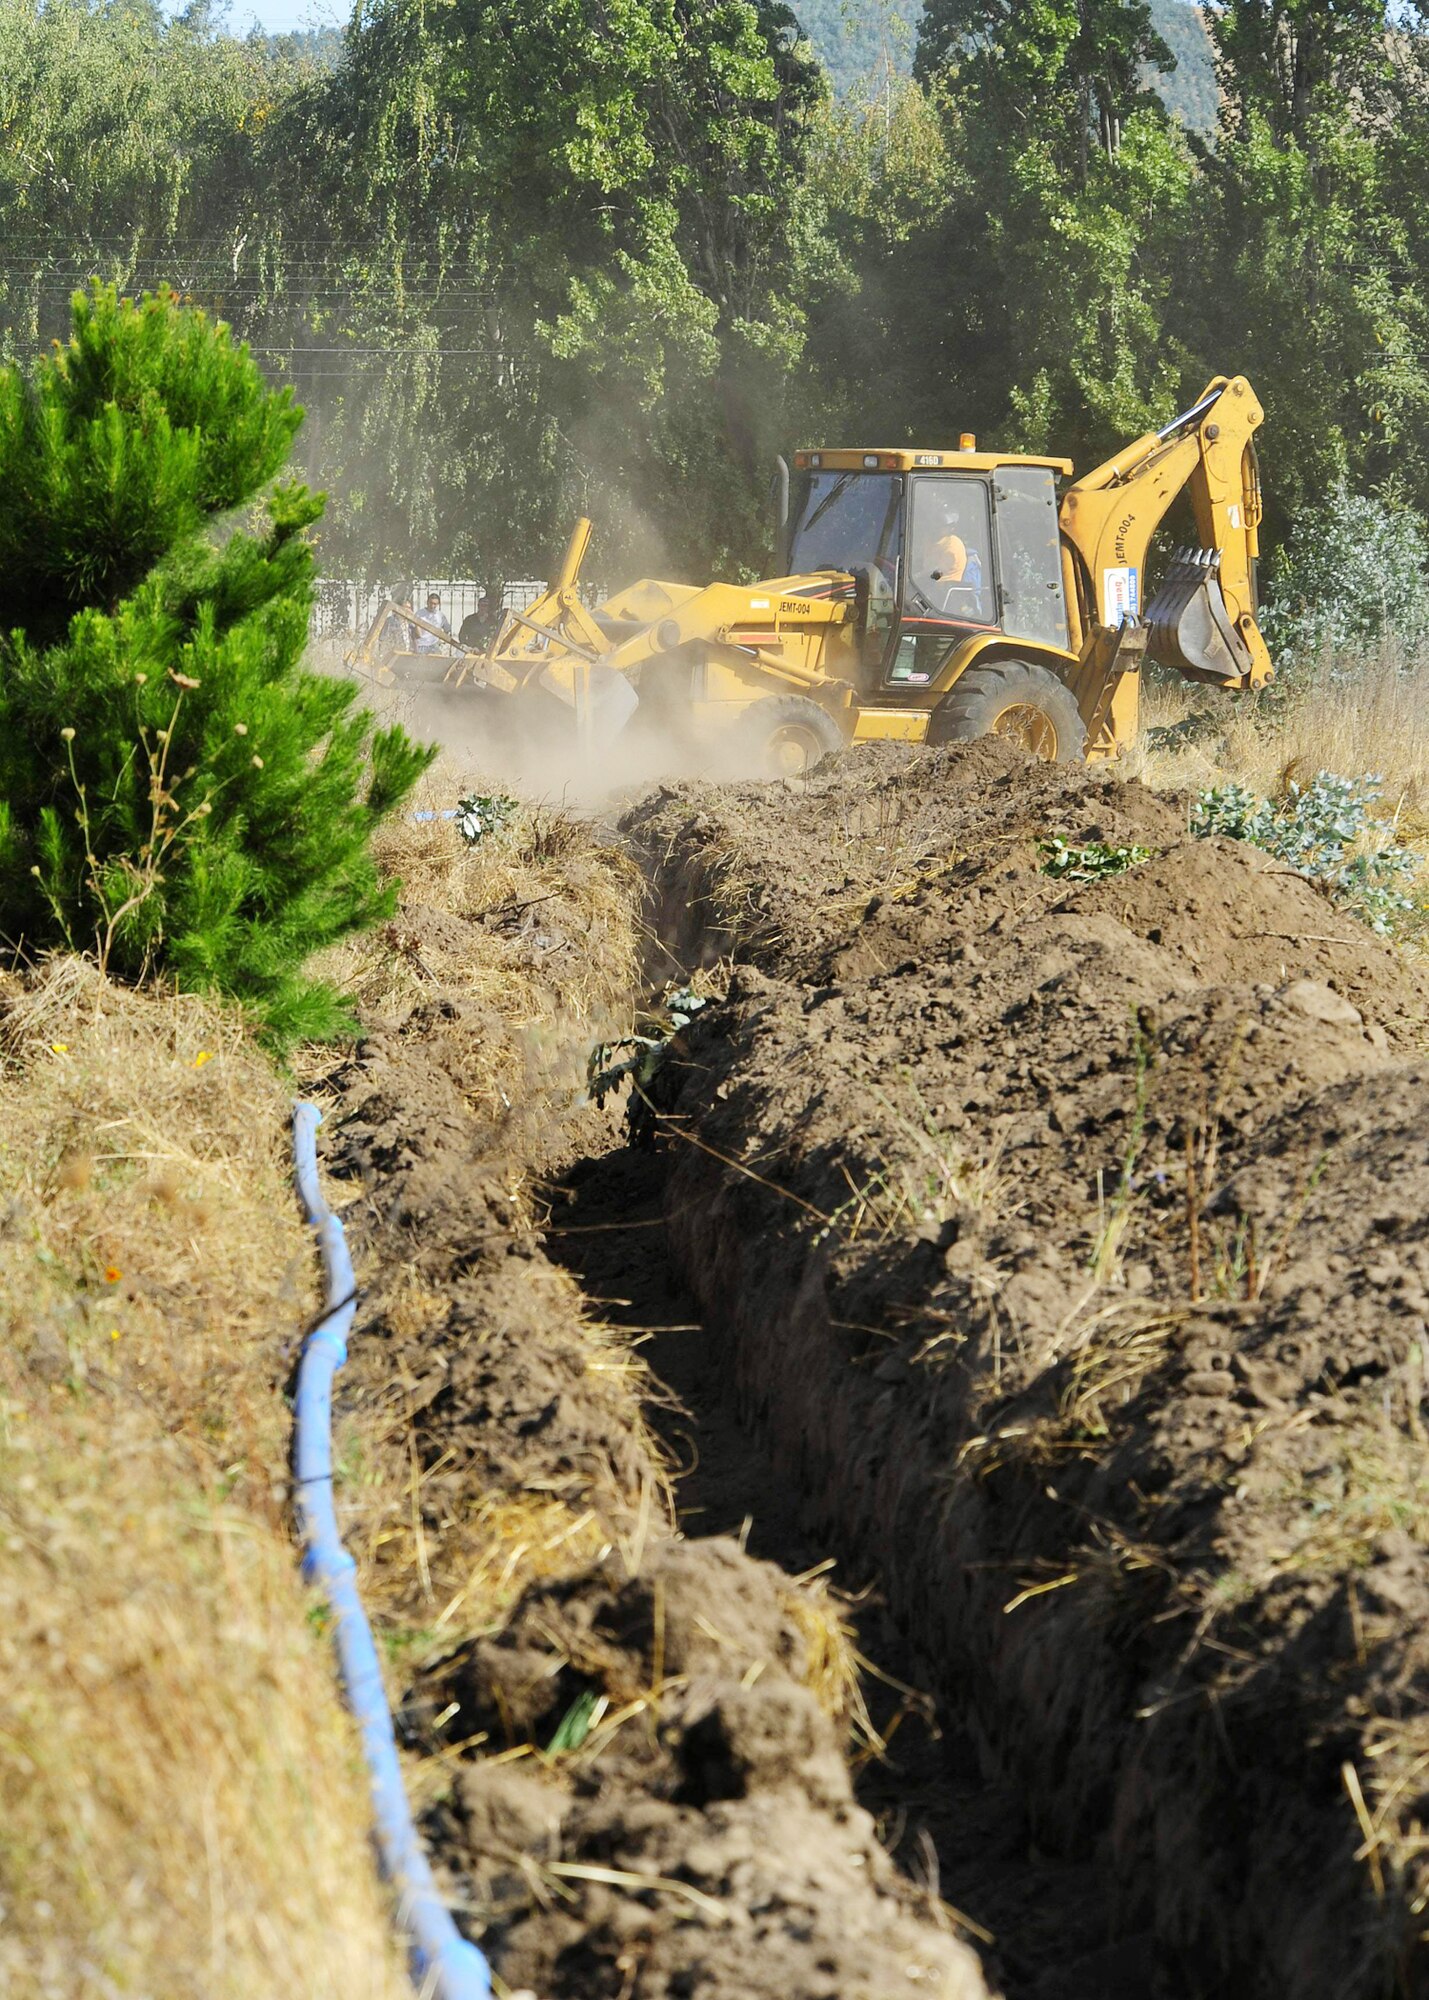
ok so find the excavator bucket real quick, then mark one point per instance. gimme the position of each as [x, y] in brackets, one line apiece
[1191, 627]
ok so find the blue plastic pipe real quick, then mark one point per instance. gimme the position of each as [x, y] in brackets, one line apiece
[444, 1965]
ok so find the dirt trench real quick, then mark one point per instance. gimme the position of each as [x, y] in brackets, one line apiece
[629, 1762]
[1041, 1926]
[1066, 1244]
[1048, 1256]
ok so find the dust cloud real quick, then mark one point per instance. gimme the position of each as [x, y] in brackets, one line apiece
[490, 741]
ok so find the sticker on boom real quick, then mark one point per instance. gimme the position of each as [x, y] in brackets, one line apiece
[1121, 592]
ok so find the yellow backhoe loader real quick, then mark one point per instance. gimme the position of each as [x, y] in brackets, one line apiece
[930, 596]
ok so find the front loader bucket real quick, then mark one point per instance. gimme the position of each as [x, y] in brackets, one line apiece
[1191, 628]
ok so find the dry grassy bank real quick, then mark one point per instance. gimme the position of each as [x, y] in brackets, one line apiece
[182, 1809]
[532, 928]
[508, 958]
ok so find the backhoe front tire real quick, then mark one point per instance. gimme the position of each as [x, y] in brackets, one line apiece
[783, 736]
[1016, 699]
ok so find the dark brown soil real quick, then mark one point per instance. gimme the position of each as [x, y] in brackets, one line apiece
[644, 1794]
[1049, 1259]
[1067, 1246]
[1044, 1927]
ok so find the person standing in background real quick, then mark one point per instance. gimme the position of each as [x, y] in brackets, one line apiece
[480, 627]
[426, 641]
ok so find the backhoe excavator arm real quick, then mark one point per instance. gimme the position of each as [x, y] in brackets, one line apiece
[1202, 621]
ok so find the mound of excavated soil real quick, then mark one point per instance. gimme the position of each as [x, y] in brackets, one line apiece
[643, 1795]
[1069, 1242]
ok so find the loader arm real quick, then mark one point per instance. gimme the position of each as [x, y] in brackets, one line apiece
[764, 634]
[1202, 620]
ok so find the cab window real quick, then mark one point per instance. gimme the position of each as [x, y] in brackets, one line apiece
[847, 521]
[1030, 555]
[916, 658]
[950, 552]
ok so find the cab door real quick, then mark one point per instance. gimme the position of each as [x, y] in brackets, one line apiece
[949, 576]
[1031, 600]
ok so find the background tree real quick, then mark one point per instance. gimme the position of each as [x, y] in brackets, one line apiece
[1057, 72]
[1290, 61]
[574, 223]
[127, 151]
[1031, 301]
[524, 260]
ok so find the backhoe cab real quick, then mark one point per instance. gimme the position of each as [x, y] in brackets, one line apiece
[929, 596]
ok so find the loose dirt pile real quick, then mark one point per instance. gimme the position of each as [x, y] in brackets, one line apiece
[1067, 1242]
[633, 1774]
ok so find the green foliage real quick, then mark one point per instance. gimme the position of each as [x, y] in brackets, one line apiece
[577, 1722]
[598, 197]
[1325, 831]
[860, 44]
[1062, 67]
[125, 138]
[1296, 266]
[1288, 61]
[175, 792]
[148, 423]
[1353, 572]
[638, 1059]
[526, 258]
[1092, 861]
[481, 814]
[1101, 368]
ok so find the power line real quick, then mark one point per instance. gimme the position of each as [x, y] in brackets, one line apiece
[363, 353]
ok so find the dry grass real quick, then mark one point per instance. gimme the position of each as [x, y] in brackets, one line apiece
[181, 1806]
[1371, 1482]
[1377, 721]
[533, 928]
[926, 1176]
[832, 1662]
[439, 1561]
[444, 1560]
[888, 837]
[529, 945]
[1117, 1347]
[1386, 1793]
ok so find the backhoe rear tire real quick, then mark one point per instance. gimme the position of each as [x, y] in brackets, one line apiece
[1016, 699]
[783, 736]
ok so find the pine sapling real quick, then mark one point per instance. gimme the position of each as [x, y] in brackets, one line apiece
[177, 793]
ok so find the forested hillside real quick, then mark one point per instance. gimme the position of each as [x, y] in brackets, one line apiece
[521, 258]
[1189, 90]
[857, 39]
